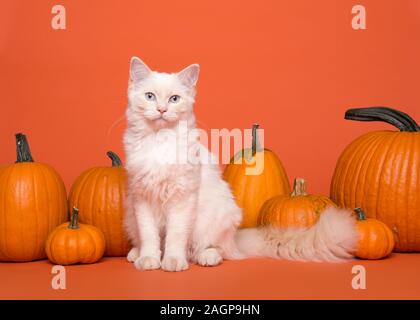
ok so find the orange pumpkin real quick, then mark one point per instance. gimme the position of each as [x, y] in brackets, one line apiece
[376, 239]
[380, 172]
[99, 195]
[296, 210]
[33, 201]
[252, 190]
[74, 242]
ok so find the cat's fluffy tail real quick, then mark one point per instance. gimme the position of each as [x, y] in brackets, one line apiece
[332, 239]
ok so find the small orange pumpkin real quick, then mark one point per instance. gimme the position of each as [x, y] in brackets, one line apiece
[74, 242]
[296, 210]
[33, 201]
[251, 191]
[99, 194]
[376, 238]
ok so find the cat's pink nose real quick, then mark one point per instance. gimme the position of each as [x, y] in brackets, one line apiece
[161, 109]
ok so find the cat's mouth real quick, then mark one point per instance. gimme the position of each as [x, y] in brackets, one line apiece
[167, 117]
[156, 117]
[161, 120]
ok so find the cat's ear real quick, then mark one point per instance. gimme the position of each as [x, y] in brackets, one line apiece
[189, 75]
[138, 70]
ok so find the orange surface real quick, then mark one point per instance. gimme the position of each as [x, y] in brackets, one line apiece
[114, 278]
[294, 66]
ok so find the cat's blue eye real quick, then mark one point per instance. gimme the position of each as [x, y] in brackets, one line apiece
[174, 99]
[149, 96]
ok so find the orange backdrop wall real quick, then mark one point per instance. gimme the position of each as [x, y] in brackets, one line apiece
[292, 66]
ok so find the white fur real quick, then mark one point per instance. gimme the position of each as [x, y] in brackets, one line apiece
[332, 239]
[181, 212]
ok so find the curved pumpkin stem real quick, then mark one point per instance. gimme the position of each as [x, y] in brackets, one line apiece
[23, 153]
[299, 187]
[394, 117]
[360, 214]
[116, 161]
[74, 224]
[255, 141]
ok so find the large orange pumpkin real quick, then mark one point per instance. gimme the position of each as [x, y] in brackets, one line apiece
[299, 209]
[251, 191]
[74, 242]
[33, 201]
[376, 240]
[99, 194]
[380, 172]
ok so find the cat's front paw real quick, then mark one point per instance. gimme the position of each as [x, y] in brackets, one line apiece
[172, 263]
[133, 254]
[147, 263]
[209, 257]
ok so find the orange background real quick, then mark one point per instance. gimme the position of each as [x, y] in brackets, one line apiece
[292, 66]
[395, 277]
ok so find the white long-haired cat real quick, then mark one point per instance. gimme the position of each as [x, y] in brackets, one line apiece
[181, 212]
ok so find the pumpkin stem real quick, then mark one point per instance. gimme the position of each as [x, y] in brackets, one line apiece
[299, 187]
[23, 153]
[255, 141]
[74, 219]
[116, 161]
[394, 117]
[360, 214]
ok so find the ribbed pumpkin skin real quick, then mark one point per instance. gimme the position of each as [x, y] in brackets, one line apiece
[251, 191]
[99, 194]
[380, 171]
[33, 201]
[293, 211]
[376, 239]
[66, 246]
[287, 212]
